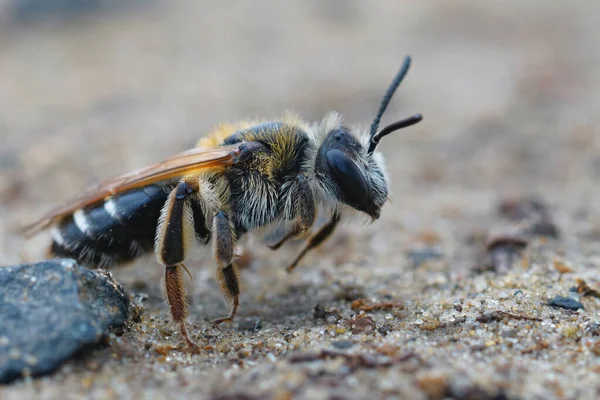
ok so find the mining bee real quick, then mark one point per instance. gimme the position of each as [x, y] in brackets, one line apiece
[269, 176]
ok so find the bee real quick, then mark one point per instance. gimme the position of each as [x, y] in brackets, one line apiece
[249, 177]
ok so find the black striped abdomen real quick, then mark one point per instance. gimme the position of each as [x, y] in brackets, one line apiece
[115, 231]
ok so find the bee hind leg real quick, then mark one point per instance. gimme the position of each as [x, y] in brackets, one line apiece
[176, 296]
[174, 235]
[224, 240]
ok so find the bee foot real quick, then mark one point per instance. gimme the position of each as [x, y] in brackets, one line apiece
[192, 347]
[219, 321]
[230, 317]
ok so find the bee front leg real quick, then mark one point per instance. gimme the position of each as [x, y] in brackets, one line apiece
[224, 240]
[285, 236]
[315, 240]
[174, 235]
[300, 206]
[300, 199]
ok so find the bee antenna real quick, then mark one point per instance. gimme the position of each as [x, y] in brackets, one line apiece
[387, 97]
[392, 128]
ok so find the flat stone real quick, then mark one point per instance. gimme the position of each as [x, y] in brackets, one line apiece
[51, 310]
[342, 344]
[565, 302]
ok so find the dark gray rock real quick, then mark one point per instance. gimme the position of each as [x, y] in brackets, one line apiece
[51, 310]
[565, 302]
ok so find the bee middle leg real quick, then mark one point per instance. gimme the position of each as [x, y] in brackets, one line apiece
[175, 234]
[224, 241]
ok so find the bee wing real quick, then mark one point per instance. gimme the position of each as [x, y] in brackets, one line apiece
[188, 162]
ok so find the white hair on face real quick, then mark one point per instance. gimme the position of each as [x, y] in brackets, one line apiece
[332, 121]
[363, 136]
[380, 161]
[376, 160]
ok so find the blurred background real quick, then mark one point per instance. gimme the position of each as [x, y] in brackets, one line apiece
[509, 90]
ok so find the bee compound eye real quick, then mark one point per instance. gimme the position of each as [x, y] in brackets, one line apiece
[349, 179]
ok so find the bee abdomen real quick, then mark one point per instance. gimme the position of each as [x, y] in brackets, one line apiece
[118, 230]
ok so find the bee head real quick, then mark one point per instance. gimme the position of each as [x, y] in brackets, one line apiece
[353, 171]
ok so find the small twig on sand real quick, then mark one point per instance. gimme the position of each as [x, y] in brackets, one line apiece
[362, 305]
[500, 315]
[353, 360]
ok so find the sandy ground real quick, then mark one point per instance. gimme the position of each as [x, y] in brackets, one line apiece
[510, 94]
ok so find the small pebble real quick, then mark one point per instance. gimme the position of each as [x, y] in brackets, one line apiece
[319, 312]
[340, 330]
[562, 267]
[565, 302]
[435, 385]
[593, 329]
[596, 349]
[363, 324]
[342, 344]
[384, 329]
[250, 325]
[430, 325]
[245, 352]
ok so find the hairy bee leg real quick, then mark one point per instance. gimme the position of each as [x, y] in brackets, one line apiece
[176, 296]
[174, 235]
[230, 286]
[224, 239]
[315, 240]
[303, 205]
[296, 230]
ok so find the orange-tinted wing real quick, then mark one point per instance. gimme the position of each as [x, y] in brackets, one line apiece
[188, 162]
